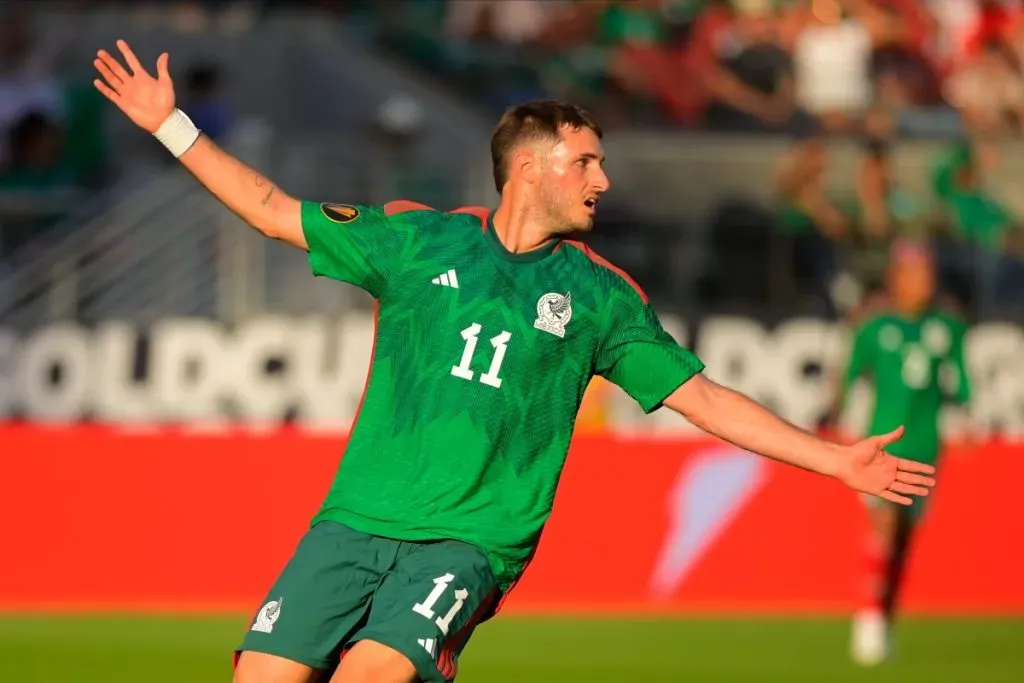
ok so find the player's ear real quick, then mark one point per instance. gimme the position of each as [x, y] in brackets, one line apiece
[526, 164]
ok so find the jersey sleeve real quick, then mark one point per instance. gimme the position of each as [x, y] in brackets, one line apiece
[638, 355]
[861, 356]
[352, 243]
[956, 380]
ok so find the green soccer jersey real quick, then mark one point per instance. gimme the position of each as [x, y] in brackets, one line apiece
[479, 366]
[915, 366]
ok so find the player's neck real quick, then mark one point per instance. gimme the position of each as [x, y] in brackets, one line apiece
[909, 312]
[518, 228]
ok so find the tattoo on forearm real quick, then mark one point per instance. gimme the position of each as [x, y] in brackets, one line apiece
[263, 182]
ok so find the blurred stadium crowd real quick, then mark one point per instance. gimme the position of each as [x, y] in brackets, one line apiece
[873, 73]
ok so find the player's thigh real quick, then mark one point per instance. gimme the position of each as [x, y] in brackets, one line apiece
[882, 516]
[891, 523]
[259, 667]
[429, 605]
[320, 598]
[371, 662]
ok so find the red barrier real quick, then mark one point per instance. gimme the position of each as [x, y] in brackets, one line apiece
[93, 518]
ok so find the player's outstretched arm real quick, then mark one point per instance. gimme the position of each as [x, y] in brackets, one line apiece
[149, 103]
[863, 466]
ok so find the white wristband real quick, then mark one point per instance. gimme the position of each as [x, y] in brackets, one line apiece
[177, 133]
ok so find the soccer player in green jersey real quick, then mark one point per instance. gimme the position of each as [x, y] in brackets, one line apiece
[913, 353]
[490, 326]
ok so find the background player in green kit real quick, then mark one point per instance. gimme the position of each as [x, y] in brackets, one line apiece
[491, 325]
[913, 353]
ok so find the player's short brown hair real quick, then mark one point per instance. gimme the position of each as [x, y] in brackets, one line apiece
[535, 120]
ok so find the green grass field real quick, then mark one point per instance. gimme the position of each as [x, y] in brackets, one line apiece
[91, 649]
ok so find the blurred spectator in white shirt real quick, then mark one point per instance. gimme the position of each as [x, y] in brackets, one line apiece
[832, 58]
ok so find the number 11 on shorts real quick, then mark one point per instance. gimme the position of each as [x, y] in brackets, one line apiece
[426, 608]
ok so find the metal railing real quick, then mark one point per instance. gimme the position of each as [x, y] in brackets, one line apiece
[46, 285]
[147, 247]
[161, 245]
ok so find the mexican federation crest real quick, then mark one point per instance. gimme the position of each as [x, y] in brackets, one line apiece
[267, 615]
[553, 313]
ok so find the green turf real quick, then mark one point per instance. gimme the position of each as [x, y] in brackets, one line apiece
[90, 649]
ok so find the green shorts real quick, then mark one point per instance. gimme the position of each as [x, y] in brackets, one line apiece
[914, 511]
[341, 586]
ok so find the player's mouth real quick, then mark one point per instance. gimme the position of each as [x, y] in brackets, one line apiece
[591, 204]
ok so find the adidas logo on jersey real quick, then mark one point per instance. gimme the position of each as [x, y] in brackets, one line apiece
[448, 279]
[428, 644]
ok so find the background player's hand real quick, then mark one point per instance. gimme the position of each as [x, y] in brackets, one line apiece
[869, 469]
[147, 101]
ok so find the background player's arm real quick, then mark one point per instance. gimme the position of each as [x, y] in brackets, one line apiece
[955, 383]
[858, 363]
[149, 101]
[955, 368]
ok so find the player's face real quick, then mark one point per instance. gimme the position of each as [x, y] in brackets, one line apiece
[913, 282]
[573, 180]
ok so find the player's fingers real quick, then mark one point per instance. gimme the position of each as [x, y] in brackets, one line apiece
[114, 66]
[162, 70]
[890, 438]
[913, 466]
[895, 498]
[112, 80]
[915, 479]
[130, 59]
[909, 489]
[106, 90]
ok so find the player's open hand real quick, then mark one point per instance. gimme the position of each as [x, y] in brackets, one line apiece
[869, 469]
[147, 101]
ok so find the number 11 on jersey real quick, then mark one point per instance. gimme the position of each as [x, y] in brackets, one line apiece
[500, 343]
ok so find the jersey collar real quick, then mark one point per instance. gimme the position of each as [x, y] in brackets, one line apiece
[499, 249]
